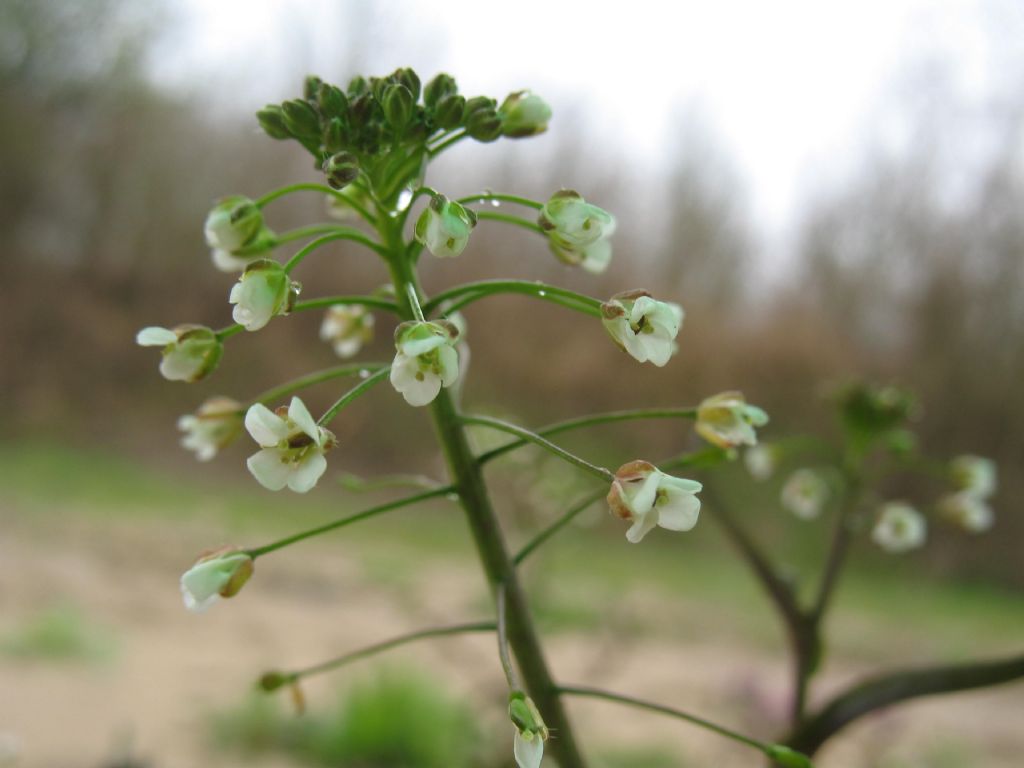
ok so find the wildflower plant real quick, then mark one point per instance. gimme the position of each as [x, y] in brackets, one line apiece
[374, 142]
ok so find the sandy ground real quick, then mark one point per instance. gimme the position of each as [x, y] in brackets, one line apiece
[171, 668]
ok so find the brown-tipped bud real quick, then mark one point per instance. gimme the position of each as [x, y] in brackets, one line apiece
[449, 111]
[408, 78]
[628, 474]
[271, 120]
[341, 169]
[439, 88]
[332, 101]
[301, 119]
[271, 681]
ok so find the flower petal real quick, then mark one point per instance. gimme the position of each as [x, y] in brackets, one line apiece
[269, 469]
[642, 525]
[298, 413]
[528, 751]
[154, 336]
[265, 426]
[305, 474]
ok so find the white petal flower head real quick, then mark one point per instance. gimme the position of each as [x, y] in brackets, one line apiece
[967, 511]
[426, 360]
[347, 329]
[805, 494]
[444, 227]
[572, 223]
[643, 327]
[974, 475]
[899, 528]
[760, 461]
[190, 352]
[728, 421]
[215, 575]
[594, 258]
[226, 261]
[522, 114]
[263, 291]
[214, 425]
[293, 447]
[233, 224]
[647, 497]
[531, 732]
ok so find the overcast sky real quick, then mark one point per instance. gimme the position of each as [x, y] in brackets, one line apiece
[791, 89]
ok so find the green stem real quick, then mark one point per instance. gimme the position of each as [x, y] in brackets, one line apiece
[598, 693]
[316, 377]
[484, 197]
[387, 645]
[352, 394]
[334, 525]
[439, 148]
[303, 232]
[323, 189]
[503, 650]
[589, 421]
[527, 435]
[341, 233]
[556, 526]
[587, 304]
[509, 219]
[414, 302]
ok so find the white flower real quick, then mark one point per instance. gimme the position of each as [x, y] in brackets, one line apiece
[645, 495]
[594, 258]
[218, 574]
[760, 461]
[726, 420]
[426, 360]
[444, 227]
[215, 424]
[974, 475]
[899, 528]
[234, 223]
[347, 329]
[523, 113]
[805, 493]
[967, 510]
[293, 447]
[190, 352]
[641, 326]
[531, 732]
[226, 261]
[577, 231]
[263, 291]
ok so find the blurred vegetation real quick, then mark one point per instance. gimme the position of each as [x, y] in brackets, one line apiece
[107, 180]
[59, 633]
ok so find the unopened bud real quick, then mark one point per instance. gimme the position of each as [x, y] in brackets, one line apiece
[301, 119]
[449, 111]
[333, 103]
[310, 86]
[271, 681]
[408, 78]
[271, 120]
[524, 114]
[484, 125]
[398, 104]
[437, 89]
[341, 169]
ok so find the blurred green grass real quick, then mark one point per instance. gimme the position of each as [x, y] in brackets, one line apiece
[886, 607]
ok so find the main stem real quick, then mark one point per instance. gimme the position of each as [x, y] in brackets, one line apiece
[498, 565]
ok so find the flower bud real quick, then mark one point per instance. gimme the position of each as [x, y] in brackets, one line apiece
[332, 101]
[641, 326]
[805, 494]
[426, 360]
[271, 681]
[440, 87]
[311, 86]
[571, 222]
[341, 169]
[531, 732]
[408, 78]
[398, 104]
[213, 426]
[444, 227]
[647, 497]
[190, 352]
[271, 120]
[484, 125]
[524, 114]
[263, 291]
[234, 223]
[449, 111]
[726, 420]
[899, 528]
[974, 475]
[301, 119]
[217, 574]
[357, 86]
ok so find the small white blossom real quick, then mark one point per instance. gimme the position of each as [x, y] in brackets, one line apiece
[190, 352]
[522, 114]
[760, 461]
[899, 528]
[234, 223]
[293, 447]
[805, 494]
[646, 496]
[218, 574]
[968, 511]
[643, 327]
[444, 227]
[531, 732]
[426, 360]
[263, 291]
[728, 421]
[974, 475]
[577, 231]
[528, 749]
[347, 329]
[215, 424]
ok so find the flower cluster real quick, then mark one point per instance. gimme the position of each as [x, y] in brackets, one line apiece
[647, 497]
[578, 232]
[293, 447]
[643, 327]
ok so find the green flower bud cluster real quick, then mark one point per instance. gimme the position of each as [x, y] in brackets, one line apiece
[373, 120]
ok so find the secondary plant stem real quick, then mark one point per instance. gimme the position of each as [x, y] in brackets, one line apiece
[316, 377]
[352, 394]
[587, 304]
